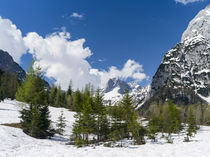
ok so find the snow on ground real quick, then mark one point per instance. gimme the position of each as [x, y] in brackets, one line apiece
[14, 143]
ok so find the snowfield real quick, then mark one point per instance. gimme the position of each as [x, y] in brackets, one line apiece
[14, 143]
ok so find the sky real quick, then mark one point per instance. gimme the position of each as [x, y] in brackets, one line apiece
[94, 40]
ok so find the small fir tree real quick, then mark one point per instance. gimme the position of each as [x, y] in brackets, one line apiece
[35, 118]
[61, 124]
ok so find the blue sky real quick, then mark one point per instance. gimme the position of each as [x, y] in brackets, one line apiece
[114, 30]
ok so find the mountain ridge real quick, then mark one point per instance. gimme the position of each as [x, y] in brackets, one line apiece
[7, 64]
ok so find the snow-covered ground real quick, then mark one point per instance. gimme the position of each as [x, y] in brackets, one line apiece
[14, 143]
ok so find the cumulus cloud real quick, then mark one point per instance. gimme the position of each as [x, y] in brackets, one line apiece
[187, 1]
[66, 60]
[77, 15]
[131, 69]
[11, 39]
[61, 58]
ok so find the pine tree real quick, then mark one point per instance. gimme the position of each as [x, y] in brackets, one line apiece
[173, 119]
[102, 126]
[35, 118]
[77, 101]
[69, 97]
[58, 98]
[128, 109]
[52, 95]
[153, 127]
[137, 130]
[192, 127]
[61, 124]
[76, 136]
[88, 120]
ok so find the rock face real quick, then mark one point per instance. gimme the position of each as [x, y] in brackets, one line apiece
[7, 64]
[115, 89]
[184, 73]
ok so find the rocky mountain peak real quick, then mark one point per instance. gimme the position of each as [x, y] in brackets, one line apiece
[115, 89]
[199, 27]
[116, 82]
[184, 73]
[7, 64]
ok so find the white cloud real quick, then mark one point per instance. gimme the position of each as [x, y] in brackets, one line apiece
[187, 1]
[11, 39]
[61, 58]
[77, 15]
[65, 60]
[131, 69]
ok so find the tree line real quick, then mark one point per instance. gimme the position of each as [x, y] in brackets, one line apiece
[96, 122]
[8, 85]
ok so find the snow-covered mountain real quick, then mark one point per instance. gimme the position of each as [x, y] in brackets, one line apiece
[184, 73]
[115, 89]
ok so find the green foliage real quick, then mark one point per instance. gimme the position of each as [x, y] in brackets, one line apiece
[101, 123]
[124, 121]
[153, 127]
[77, 105]
[52, 95]
[8, 85]
[61, 124]
[192, 127]
[173, 121]
[34, 118]
[58, 97]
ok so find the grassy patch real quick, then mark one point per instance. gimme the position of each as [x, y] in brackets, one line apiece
[14, 125]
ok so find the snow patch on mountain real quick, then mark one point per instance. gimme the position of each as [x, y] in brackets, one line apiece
[207, 99]
[115, 89]
[199, 26]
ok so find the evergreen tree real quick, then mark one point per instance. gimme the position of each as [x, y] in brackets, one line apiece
[77, 101]
[173, 119]
[87, 120]
[35, 118]
[137, 130]
[192, 127]
[58, 97]
[128, 111]
[52, 95]
[102, 126]
[153, 127]
[61, 124]
[69, 97]
[77, 130]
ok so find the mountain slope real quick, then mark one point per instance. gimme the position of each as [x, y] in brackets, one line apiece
[7, 64]
[115, 89]
[184, 73]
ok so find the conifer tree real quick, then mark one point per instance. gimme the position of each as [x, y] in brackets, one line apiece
[61, 124]
[191, 122]
[153, 127]
[52, 95]
[77, 101]
[137, 130]
[102, 126]
[34, 118]
[87, 120]
[58, 97]
[69, 97]
[77, 135]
